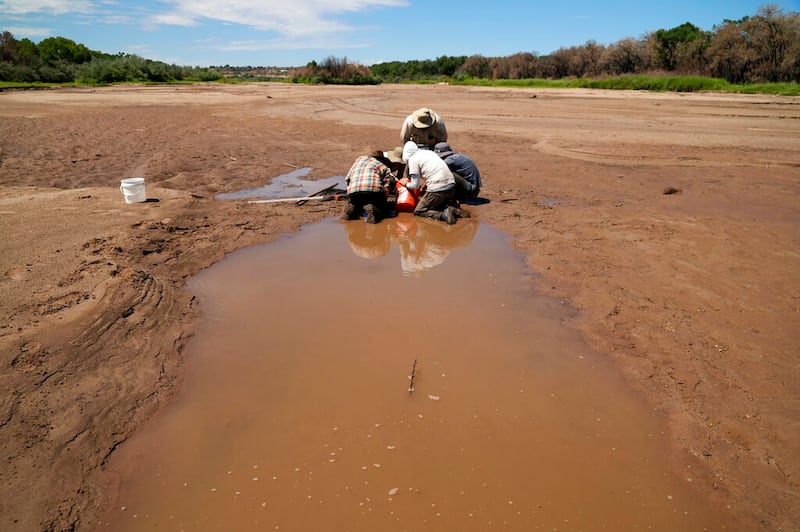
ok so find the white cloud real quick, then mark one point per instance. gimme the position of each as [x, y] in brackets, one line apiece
[292, 18]
[112, 19]
[285, 44]
[20, 32]
[56, 7]
[173, 19]
[284, 24]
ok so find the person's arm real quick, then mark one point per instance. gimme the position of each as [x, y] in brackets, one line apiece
[441, 130]
[405, 130]
[387, 179]
[413, 182]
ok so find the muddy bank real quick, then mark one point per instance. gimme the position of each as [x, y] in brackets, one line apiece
[695, 295]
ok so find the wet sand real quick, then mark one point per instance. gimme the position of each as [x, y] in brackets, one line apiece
[694, 296]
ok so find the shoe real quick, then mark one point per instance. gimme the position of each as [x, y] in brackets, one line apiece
[448, 216]
[460, 213]
[370, 211]
[349, 213]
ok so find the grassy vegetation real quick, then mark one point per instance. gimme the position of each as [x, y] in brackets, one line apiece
[650, 83]
[9, 85]
[784, 89]
[32, 85]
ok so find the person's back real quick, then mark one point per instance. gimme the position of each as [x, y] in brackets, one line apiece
[432, 169]
[440, 184]
[368, 181]
[469, 184]
[424, 127]
[367, 174]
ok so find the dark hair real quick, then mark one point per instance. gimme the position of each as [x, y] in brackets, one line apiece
[378, 154]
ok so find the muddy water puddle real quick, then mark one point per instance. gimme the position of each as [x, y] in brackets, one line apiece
[295, 412]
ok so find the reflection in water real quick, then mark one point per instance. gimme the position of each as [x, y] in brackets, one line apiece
[423, 243]
[368, 241]
[286, 186]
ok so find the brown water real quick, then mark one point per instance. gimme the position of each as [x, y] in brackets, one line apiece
[296, 415]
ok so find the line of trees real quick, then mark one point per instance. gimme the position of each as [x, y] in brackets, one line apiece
[334, 70]
[765, 47]
[444, 66]
[762, 48]
[61, 60]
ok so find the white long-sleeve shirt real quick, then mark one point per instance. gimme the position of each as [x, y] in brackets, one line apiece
[428, 166]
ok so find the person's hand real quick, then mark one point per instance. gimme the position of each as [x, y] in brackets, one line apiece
[404, 181]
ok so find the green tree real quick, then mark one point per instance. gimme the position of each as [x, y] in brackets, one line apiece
[333, 70]
[18, 52]
[55, 49]
[667, 43]
[28, 53]
[447, 65]
[8, 47]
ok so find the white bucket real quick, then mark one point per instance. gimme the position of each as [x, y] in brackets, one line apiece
[133, 190]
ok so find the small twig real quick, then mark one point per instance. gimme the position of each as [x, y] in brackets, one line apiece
[293, 166]
[411, 377]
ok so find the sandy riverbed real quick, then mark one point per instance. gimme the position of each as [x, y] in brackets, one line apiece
[695, 295]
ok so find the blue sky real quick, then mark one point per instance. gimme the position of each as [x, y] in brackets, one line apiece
[294, 32]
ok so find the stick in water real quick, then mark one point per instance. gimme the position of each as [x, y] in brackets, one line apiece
[411, 377]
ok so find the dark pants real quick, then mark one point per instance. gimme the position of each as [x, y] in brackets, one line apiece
[431, 204]
[359, 200]
[463, 189]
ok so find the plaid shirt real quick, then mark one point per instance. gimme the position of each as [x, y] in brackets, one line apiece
[367, 175]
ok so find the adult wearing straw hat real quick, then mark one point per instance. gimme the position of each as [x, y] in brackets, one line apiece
[424, 127]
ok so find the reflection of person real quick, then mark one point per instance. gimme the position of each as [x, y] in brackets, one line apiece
[425, 244]
[424, 127]
[369, 181]
[465, 171]
[368, 241]
[439, 183]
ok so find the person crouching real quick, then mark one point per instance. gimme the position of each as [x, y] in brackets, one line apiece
[369, 182]
[465, 171]
[428, 170]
